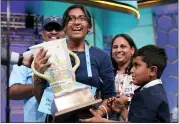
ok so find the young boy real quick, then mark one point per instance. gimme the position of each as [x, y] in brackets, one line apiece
[149, 103]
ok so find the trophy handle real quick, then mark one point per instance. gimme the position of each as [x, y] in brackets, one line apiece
[50, 80]
[77, 60]
[46, 77]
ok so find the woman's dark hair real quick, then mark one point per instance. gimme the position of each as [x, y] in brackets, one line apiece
[131, 43]
[66, 14]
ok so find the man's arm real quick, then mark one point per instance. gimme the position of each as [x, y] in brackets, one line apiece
[39, 86]
[20, 86]
[15, 58]
[21, 91]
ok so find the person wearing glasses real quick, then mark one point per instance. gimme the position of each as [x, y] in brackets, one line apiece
[23, 81]
[95, 68]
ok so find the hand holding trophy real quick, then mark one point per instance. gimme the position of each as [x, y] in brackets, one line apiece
[61, 77]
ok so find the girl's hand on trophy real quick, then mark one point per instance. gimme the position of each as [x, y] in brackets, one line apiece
[96, 118]
[41, 61]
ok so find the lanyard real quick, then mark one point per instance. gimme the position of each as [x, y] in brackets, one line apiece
[89, 70]
[88, 62]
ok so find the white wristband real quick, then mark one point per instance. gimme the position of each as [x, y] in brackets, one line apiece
[14, 57]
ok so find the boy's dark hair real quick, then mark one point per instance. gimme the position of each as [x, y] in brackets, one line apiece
[153, 56]
[66, 14]
[131, 43]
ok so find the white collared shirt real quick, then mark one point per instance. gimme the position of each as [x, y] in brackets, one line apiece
[152, 83]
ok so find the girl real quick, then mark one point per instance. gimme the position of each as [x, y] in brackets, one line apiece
[95, 67]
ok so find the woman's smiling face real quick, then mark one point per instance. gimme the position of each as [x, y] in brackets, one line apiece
[121, 50]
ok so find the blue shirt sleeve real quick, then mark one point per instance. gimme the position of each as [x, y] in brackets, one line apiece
[23, 75]
[18, 75]
[107, 77]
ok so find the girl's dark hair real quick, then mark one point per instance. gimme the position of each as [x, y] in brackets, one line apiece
[132, 44]
[66, 14]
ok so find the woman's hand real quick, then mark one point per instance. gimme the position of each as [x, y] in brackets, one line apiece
[96, 118]
[40, 61]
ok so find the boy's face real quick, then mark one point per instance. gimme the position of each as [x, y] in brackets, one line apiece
[140, 72]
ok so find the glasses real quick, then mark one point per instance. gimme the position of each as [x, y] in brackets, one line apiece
[51, 27]
[72, 19]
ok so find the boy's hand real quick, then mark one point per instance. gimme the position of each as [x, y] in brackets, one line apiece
[110, 101]
[117, 104]
[124, 98]
[97, 118]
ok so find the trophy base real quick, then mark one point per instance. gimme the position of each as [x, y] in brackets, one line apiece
[75, 105]
[74, 98]
[73, 114]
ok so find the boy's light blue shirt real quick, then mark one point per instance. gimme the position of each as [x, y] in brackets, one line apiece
[23, 75]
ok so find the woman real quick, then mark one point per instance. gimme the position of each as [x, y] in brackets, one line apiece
[123, 48]
[97, 72]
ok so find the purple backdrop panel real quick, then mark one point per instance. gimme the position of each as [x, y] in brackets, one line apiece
[166, 36]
